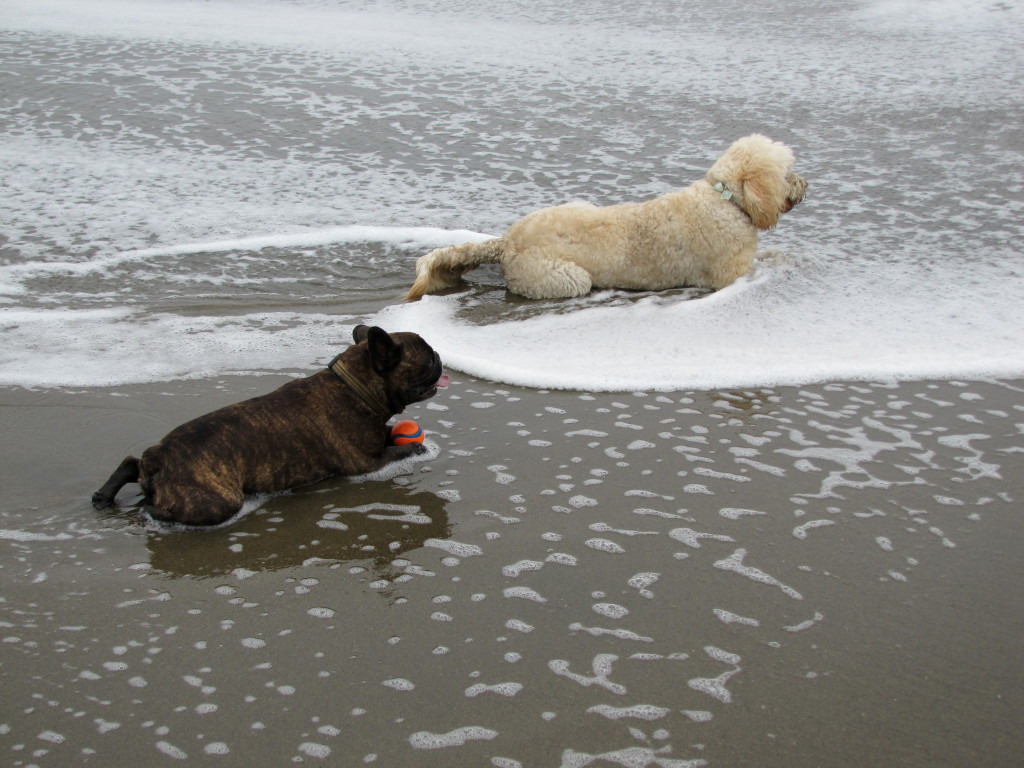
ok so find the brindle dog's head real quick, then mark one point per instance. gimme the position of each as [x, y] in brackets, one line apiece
[410, 368]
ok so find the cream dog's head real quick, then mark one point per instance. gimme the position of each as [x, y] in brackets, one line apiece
[758, 172]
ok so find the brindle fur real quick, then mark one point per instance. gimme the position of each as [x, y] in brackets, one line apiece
[306, 430]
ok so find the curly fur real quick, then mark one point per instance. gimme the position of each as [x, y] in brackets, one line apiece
[691, 237]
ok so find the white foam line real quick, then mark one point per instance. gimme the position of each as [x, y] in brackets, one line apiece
[427, 237]
[419, 237]
[12, 535]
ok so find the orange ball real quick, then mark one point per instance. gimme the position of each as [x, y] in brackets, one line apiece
[405, 432]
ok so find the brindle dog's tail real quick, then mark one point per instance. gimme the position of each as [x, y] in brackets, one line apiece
[444, 267]
[126, 472]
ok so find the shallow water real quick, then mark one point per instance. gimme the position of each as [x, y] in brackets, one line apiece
[709, 553]
[762, 577]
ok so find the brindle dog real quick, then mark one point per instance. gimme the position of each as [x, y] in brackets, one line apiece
[330, 423]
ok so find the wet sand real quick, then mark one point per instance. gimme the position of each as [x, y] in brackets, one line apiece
[825, 575]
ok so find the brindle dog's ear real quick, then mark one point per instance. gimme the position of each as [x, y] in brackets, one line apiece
[385, 355]
[359, 333]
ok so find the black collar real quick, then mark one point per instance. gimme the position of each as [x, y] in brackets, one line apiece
[359, 389]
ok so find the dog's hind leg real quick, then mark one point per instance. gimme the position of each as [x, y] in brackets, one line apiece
[126, 472]
[537, 276]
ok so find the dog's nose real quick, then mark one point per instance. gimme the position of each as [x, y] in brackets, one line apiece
[797, 189]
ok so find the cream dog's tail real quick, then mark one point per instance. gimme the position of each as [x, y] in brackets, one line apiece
[442, 268]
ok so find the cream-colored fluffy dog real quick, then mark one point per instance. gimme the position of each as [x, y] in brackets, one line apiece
[703, 236]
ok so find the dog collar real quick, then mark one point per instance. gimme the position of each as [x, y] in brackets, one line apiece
[726, 194]
[360, 390]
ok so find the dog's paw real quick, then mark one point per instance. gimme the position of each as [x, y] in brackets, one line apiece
[399, 452]
[101, 500]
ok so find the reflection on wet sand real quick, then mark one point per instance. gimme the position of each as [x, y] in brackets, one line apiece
[333, 522]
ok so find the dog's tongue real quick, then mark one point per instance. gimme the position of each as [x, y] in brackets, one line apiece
[444, 381]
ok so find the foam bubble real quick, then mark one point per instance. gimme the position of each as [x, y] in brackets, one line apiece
[728, 617]
[455, 548]
[691, 538]
[734, 513]
[621, 634]
[641, 581]
[171, 751]
[561, 558]
[514, 570]
[800, 532]
[454, 738]
[312, 749]
[524, 593]
[638, 711]
[502, 689]
[714, 686]
[735, 564]
[610, 610]
[604, 545]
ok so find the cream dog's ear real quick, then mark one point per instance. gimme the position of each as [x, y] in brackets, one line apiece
[764, 196]
[757, 166]
[764, 179]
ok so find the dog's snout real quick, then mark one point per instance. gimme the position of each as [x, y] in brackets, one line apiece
[797, 188]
